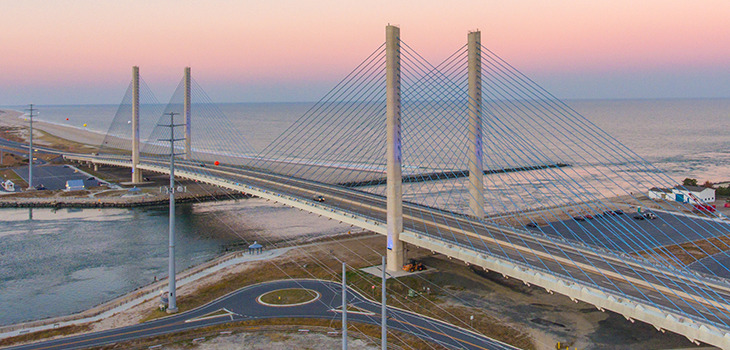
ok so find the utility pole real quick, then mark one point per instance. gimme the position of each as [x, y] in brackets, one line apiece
[30, 150]
[344, 307]
[383, 314]
[187, 113]
[172, 305]
[136, 172]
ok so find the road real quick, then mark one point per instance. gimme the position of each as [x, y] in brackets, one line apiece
[624, 281]
[612, 272]
[242, 305]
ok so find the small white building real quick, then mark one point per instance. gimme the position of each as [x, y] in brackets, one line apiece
[9, 186]
[75, 185]
[684, 194]
[694, 194]
[661, 193]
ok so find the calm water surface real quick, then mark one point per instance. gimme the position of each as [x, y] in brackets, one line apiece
[65, 261]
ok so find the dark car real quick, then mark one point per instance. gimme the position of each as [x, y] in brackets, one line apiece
[318, 198]
[639, 217]
[609, 213]
[40, 187]
[532, 225]
[579, 218]
[618, 212]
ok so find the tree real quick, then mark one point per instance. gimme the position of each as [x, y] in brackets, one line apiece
[708, 184]
[689, 182]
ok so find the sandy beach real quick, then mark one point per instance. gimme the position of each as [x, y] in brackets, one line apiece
[15, 119]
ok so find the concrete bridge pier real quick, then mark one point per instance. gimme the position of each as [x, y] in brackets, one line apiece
[476, 166]
[394, 186]
[136, 172]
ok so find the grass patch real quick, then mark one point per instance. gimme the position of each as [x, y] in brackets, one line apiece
[65, 145]
[288, 296]
[8, 174]
[36, 336]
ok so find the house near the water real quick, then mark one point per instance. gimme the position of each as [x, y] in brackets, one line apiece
[684, 194]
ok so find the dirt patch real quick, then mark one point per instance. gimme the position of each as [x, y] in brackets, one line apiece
[686, 253]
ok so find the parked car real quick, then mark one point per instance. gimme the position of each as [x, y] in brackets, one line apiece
[638, 217]
[618, 212]
[532, 225]
[579, 218]
[650, 216]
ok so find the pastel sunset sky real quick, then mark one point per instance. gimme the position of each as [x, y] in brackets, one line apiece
[82, 51]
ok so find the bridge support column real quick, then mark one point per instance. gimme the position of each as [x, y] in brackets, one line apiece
[394, 190]
[136, 173]
[187, 114]
[476, 167]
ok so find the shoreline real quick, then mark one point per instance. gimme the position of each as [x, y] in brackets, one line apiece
[215, 268]
[13, 118]
[138, 296]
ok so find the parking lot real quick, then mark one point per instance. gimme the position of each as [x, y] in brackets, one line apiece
[54, 177]
[624, 233]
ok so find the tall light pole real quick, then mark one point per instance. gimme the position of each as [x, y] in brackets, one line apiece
[344, 307]
[30, 150]
[172, 305]
[383, 314]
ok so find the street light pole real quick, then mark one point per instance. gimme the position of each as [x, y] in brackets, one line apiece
[30, 150]
[383, 313]
[344, 307]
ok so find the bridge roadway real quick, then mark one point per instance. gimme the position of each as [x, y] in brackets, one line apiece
[668, 299]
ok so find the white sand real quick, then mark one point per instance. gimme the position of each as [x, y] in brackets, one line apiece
[12, 118]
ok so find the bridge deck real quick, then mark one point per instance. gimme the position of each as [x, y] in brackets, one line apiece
[668, 299]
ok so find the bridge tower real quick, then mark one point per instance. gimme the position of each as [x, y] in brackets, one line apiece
[394, 187]
[476, 167]
[136, 173]
[186, 112]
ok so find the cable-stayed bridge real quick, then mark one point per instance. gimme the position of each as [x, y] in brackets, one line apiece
[468, 158]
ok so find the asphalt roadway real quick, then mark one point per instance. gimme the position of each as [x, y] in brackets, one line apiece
[685, 295]
[242, 305]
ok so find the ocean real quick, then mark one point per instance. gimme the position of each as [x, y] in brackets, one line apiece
[682, 137]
